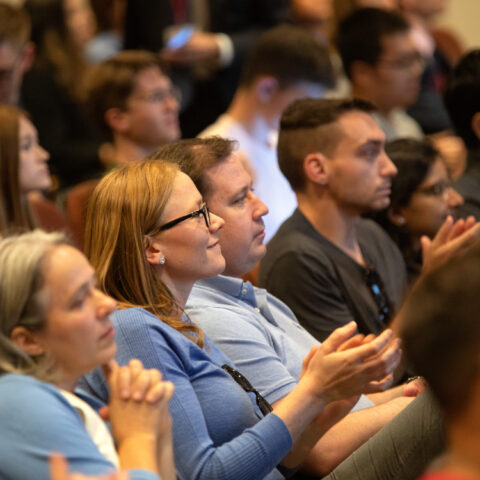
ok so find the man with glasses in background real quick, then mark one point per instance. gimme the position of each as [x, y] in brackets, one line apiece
[380, 59]
[16, 52]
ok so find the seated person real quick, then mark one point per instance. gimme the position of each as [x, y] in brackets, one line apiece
[156, 214]
[420, 201]
[54, 327]
[260, 334]
[441, 337]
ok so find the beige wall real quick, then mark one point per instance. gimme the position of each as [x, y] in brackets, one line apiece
[463, 17]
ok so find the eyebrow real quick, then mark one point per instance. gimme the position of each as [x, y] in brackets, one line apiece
[242, 191]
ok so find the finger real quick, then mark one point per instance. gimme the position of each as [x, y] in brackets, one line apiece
[443, 231]
[136, 367]
[308, 357]
[379, 386]
[104, 413]
[353, 342]
[160, 391]
[458, 228]
[123, 382]
[140, 386]
[368, 338]
[372, 348]
[107, 368]
[337, 337]
[58, 467]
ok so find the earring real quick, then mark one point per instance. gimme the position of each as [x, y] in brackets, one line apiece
[399, 220]
[162, 261]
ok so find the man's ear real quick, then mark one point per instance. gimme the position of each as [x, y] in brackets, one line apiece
[266, 87]
[28, 56]
[153, 252]
[476, 125]
[27, 340]
[315, 166]
[361, 74]
[118, 120]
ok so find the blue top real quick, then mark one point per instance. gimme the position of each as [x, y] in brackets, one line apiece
[36, 420]
[216, 429]
[257, 331]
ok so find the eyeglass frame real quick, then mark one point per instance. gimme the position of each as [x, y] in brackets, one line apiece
[201, 211]
[262, 403]
[160, 96]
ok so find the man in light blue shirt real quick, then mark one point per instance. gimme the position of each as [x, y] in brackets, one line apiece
[260, 334]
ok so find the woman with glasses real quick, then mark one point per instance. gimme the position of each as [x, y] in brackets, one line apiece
[150, 237]
[55, 326]
[421, 198]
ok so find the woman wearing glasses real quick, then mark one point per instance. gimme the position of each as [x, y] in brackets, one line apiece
[421, 198]
[150, 237]
[55, 327]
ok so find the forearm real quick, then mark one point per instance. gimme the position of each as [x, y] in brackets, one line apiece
[383, 397]
[139, 452]
[350, 433]
[166, 464]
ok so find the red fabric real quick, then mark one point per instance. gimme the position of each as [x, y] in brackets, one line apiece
[445, 476]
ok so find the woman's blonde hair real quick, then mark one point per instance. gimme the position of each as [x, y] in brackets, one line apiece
[15, 213]
[123, 212]
[22, 265]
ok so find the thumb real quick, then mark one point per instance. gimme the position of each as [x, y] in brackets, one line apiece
[338, 337]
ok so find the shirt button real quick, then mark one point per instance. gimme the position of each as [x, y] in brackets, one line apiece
[244, 291]
[257, 309]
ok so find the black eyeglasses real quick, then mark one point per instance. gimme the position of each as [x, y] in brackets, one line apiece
[379, 294]
[262, 403]
[201, 211]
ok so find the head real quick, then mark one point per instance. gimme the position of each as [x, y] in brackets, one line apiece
[380, 58]
[130, 95]
[16, 51]
[268, 71]
[128, 213]
[225, 183]
[54, 322]
[462, 99]
[335, 149]
[421, 195]
[441, 334]
[23, 168]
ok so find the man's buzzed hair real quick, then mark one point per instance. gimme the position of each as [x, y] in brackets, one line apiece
[308, 125]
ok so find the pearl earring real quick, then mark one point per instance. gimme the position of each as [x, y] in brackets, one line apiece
[399, 220]
[162, 261]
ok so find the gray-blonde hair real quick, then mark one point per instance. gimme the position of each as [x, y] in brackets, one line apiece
[22, 262]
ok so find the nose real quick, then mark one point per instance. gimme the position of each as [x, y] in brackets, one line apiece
[388, 167]
[454, 199]
[216, 223]
[105, 305]
[42, 154]
[259, 209]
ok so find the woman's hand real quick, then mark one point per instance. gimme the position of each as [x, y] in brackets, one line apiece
[345, 366]
[59, 471]
[139, 415]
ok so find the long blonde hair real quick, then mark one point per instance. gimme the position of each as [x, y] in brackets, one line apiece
[124, 210]
[15, 213]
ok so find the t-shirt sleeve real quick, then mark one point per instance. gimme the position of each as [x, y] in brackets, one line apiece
[304, 284]
[246, 343]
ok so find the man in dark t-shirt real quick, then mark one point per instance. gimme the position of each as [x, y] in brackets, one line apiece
[327, 263]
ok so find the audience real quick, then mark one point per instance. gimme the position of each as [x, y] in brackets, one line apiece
[441, 337]
[51, 93]
[23, 169]
[16, 51]
[463, 103]
[420, 201]
[268, 85]
[55, 326]
[216, 428]
[261, 335]
[383, 65]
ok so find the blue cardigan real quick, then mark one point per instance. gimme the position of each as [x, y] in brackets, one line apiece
[216, 427]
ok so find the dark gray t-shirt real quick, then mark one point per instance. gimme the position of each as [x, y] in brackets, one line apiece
[323, 286]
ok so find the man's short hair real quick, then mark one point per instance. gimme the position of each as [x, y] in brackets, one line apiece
[15, 26]
[308, 125]
[440, 330]
[110, 83]
[462, 97]
[359, 36]
[290, 55]
[195, 156]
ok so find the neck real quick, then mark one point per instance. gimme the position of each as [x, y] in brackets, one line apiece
[252, 115]
[335, 224]
[126, 151]
[67, 383]
[179, 289]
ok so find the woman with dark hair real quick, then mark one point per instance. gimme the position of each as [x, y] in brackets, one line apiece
[421, 198]
[55, 326]
[23, 169]
[52, 89]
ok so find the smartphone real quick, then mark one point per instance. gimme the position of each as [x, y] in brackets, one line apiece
[180, 38]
